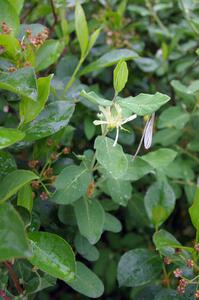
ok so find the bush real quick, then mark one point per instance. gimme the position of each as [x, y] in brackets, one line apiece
[99, 149]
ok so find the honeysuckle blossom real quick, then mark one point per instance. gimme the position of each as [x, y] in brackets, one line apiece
[111, 116]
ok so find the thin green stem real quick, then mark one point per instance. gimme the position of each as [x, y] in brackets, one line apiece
[188, 153]
[155, 16]
[186, 15]
[73, 77]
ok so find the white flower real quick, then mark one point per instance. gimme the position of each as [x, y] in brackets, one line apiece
[111, 116]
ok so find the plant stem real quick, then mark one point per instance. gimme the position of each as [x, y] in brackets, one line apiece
[73, 77]
[186, 14]
[54, 12]
[14, 278]
[188, 153]
[155, 16]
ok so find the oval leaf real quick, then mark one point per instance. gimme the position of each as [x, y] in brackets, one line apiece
[53, 255]
[9, 136]
[14, 243]
[90, 218]
[12, 182]
[111, 158]
[52, 119]
[87, 282]
[138, 267]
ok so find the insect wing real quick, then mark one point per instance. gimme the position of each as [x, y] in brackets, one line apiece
[149, 132]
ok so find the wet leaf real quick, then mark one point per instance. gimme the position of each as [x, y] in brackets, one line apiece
[53, 255]
[138, 267]
[14, 243]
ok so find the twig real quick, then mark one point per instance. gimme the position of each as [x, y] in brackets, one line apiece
[14, 278]
[54, 12]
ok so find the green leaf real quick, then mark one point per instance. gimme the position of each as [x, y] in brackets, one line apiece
[143, 104]
[179, 169]
[194, 210]
[136, 168]
[9, 136]
[90, 218]
[138, 267]
[9, 15]
[14, 243]
[29, 110]
[170, 294]
[52, 119]
[21, 82]
[17, 4]
[119, 190]
[112, 223]
[7, 163]
[111, 158]
[71, 184]
[120, 76]
[53, 255]
[11, 46]
[87, 282]
[81, 28]
[159, 202]
[173, 117]
[167, 137]
[48, 54]
[110, 59]
[25, 198]
[12, 182]
[137, 211]
[165, 242]
[89, 128]
[85, 249]
[160, 158]
[95, 99]
[93, 38]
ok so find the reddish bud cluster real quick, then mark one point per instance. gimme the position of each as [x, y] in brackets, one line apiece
[39, 39]
[190, 263]
[5, 29]
[196, 294]
[54, 156]
[66, 150]
[182, 285]
[35, 184]
[177, 273]
[48, 172]
[33, 163]
[43, 196]
[49, 142]
[178, 250]
[12, 69]
[90, 189]
[167, 260]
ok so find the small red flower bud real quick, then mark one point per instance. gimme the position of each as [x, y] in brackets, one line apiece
[48, 172]
[33, 163]
[35, 184]
[167, 260]
[190, 263]
[66, 150]
[43, 196]
[196, 247]
[54, 156]
[178, 250]
[177, 273]
[181, 286]
[49, 142]
[196, 294]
